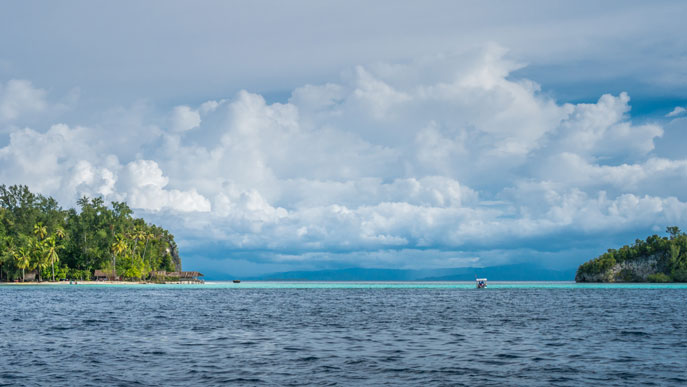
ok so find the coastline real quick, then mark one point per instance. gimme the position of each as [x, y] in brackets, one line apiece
[314, 285]
[44, 283]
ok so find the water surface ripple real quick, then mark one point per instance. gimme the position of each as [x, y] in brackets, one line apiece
[332, 334]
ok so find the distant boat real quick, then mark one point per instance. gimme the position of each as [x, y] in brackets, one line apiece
[236, 281]
[481, 283]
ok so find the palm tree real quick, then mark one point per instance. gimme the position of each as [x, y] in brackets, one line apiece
[117, 248]
[40, 231]
[141, 235]
[39, 261]
[23, 261]
[135, 236]
[38, 247]
[51, 254]
[148, 236]
[60, 233]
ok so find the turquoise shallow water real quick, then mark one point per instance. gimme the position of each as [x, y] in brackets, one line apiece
[493, 285]
[438, 285]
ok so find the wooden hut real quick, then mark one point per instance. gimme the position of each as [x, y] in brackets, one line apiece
[104, 275]
[30, 275]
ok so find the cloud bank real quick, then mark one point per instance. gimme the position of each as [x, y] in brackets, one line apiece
[448, 160]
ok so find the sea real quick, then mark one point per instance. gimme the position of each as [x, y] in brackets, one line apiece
[344, 334]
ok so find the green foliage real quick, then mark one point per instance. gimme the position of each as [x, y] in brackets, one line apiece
[678, 275]
[37, 234]
[61, 272]
[674, 231]
[658, 277]
[77, 274]
[670, 252]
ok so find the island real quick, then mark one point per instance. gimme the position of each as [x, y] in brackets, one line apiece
[40, 241]
[656, 259]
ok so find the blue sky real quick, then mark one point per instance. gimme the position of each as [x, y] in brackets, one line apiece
[270, 136]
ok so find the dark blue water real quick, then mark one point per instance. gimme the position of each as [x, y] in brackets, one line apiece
[85, 335]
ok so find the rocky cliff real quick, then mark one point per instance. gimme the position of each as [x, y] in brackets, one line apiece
[636, 270]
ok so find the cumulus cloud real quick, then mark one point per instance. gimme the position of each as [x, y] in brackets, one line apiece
[68, 163]
[145, 186]
[449, 154]
[604, 130]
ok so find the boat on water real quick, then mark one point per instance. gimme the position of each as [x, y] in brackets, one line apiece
[236, 281]
[481, 283]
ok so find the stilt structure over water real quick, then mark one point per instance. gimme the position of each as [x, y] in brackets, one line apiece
[178, 277]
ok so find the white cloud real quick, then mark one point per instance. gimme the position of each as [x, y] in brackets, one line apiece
[375, 95]
[19, 98]
[209, 107]
[603, 130]
[679, 110]
[443, 154]
[67, 163]
[43, 160]
[646, 176]
[184, 118]
[144, 187]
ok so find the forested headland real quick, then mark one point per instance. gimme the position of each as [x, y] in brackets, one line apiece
[656, 259]
[38, 237]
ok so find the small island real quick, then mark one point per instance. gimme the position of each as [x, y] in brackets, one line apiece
[40, 241]
[656, 259]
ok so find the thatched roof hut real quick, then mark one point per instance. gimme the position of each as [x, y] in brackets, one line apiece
[30, 275]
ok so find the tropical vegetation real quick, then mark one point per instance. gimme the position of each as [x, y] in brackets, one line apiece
[38, 236]
[670, 252]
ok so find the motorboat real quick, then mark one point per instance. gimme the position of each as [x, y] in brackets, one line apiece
[481, 283]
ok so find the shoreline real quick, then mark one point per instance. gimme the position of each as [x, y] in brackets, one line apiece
[493, 286]
[49, 283]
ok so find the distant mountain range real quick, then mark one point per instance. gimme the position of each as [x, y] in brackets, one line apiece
[515, 272]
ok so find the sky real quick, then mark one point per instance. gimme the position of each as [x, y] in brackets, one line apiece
[272, 136]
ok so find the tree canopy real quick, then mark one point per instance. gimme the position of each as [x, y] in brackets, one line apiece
[37, 235]
[671, 253]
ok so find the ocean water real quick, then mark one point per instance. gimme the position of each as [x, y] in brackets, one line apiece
[344, 334]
